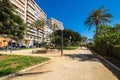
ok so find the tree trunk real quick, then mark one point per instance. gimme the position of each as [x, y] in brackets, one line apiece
[96, 33]
[96, 29]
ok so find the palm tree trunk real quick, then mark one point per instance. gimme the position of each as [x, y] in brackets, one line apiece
[96, 29]
[96, 32]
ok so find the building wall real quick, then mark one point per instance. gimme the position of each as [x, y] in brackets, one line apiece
[47, 34]
[19, 6]
[4, 42]
[34, 12]
[29, 12]
[52, 22]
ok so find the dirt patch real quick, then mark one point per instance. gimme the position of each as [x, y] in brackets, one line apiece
[2, 57]
[15, 64]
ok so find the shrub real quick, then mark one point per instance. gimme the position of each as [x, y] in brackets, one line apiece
[116, 51]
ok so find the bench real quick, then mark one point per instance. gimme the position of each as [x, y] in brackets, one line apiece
[39, 51]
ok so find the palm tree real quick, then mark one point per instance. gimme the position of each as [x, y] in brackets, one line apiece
[96, 17]
[39, 24]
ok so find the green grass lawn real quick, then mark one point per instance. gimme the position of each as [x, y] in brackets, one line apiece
[13, 63]
[71, 48]
[26, 48]
[67, 48]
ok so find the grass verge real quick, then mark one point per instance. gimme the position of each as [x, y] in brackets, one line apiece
[71, 48]
[67, 48]
[14, 63]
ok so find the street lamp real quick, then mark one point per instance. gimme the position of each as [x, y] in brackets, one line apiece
[11, 46]
[70, 41]
[62, 43]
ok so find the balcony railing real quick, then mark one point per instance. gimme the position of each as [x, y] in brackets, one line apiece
[17, 3]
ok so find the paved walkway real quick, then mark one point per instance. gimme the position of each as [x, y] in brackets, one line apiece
[75, 65]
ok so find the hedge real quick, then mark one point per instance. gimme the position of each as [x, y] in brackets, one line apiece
[116, 51]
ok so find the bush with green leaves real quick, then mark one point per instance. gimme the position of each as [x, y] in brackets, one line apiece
[116, 51]
[107, 37]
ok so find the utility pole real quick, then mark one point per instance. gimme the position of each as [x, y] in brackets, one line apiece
[62, 43]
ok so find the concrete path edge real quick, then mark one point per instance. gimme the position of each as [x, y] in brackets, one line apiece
[14, 74]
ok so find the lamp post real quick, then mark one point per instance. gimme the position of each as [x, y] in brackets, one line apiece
[70, 41]
[11, 47]
[62, 43]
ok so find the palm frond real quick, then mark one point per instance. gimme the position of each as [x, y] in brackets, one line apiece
[97, 16]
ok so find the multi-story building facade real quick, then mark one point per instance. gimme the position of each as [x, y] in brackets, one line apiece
[30, 12]
[47, 34]
[55, 24]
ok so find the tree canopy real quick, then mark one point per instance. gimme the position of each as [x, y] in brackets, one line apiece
[97, 17]
[69, 38]
[11, 24]
[107, 37]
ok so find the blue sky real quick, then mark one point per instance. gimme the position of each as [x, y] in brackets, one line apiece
[74, 12]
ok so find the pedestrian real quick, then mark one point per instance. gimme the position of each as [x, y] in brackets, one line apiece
[80, 46]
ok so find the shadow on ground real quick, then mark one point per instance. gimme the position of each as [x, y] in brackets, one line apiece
[92, 58]
[83, 57]
[32, 73]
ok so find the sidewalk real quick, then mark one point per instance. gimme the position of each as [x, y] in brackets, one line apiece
[28, 52]
[74, 65]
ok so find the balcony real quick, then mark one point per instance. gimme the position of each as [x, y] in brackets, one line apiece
[31, 16]
[22, 2]
[28, 18]
[30, 4]
[32, 11]
[19, 11]
[17, 3]
[32, 30]
[32, 34]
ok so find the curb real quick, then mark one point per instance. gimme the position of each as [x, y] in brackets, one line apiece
[14, 74]
[114, 66]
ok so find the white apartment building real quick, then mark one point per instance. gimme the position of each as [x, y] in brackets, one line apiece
[47, 34]
[55, 24]
[30, 12]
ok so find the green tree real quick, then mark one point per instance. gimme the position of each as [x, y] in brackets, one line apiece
[97, 16]
[18, 28]
[6, 14]
[69, 38]
[107, 37]
[56, 38]
[10, 24]
[117, 34]
[39, 25]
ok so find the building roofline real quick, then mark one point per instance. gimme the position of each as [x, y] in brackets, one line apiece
[39, 7]
[56, 20]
